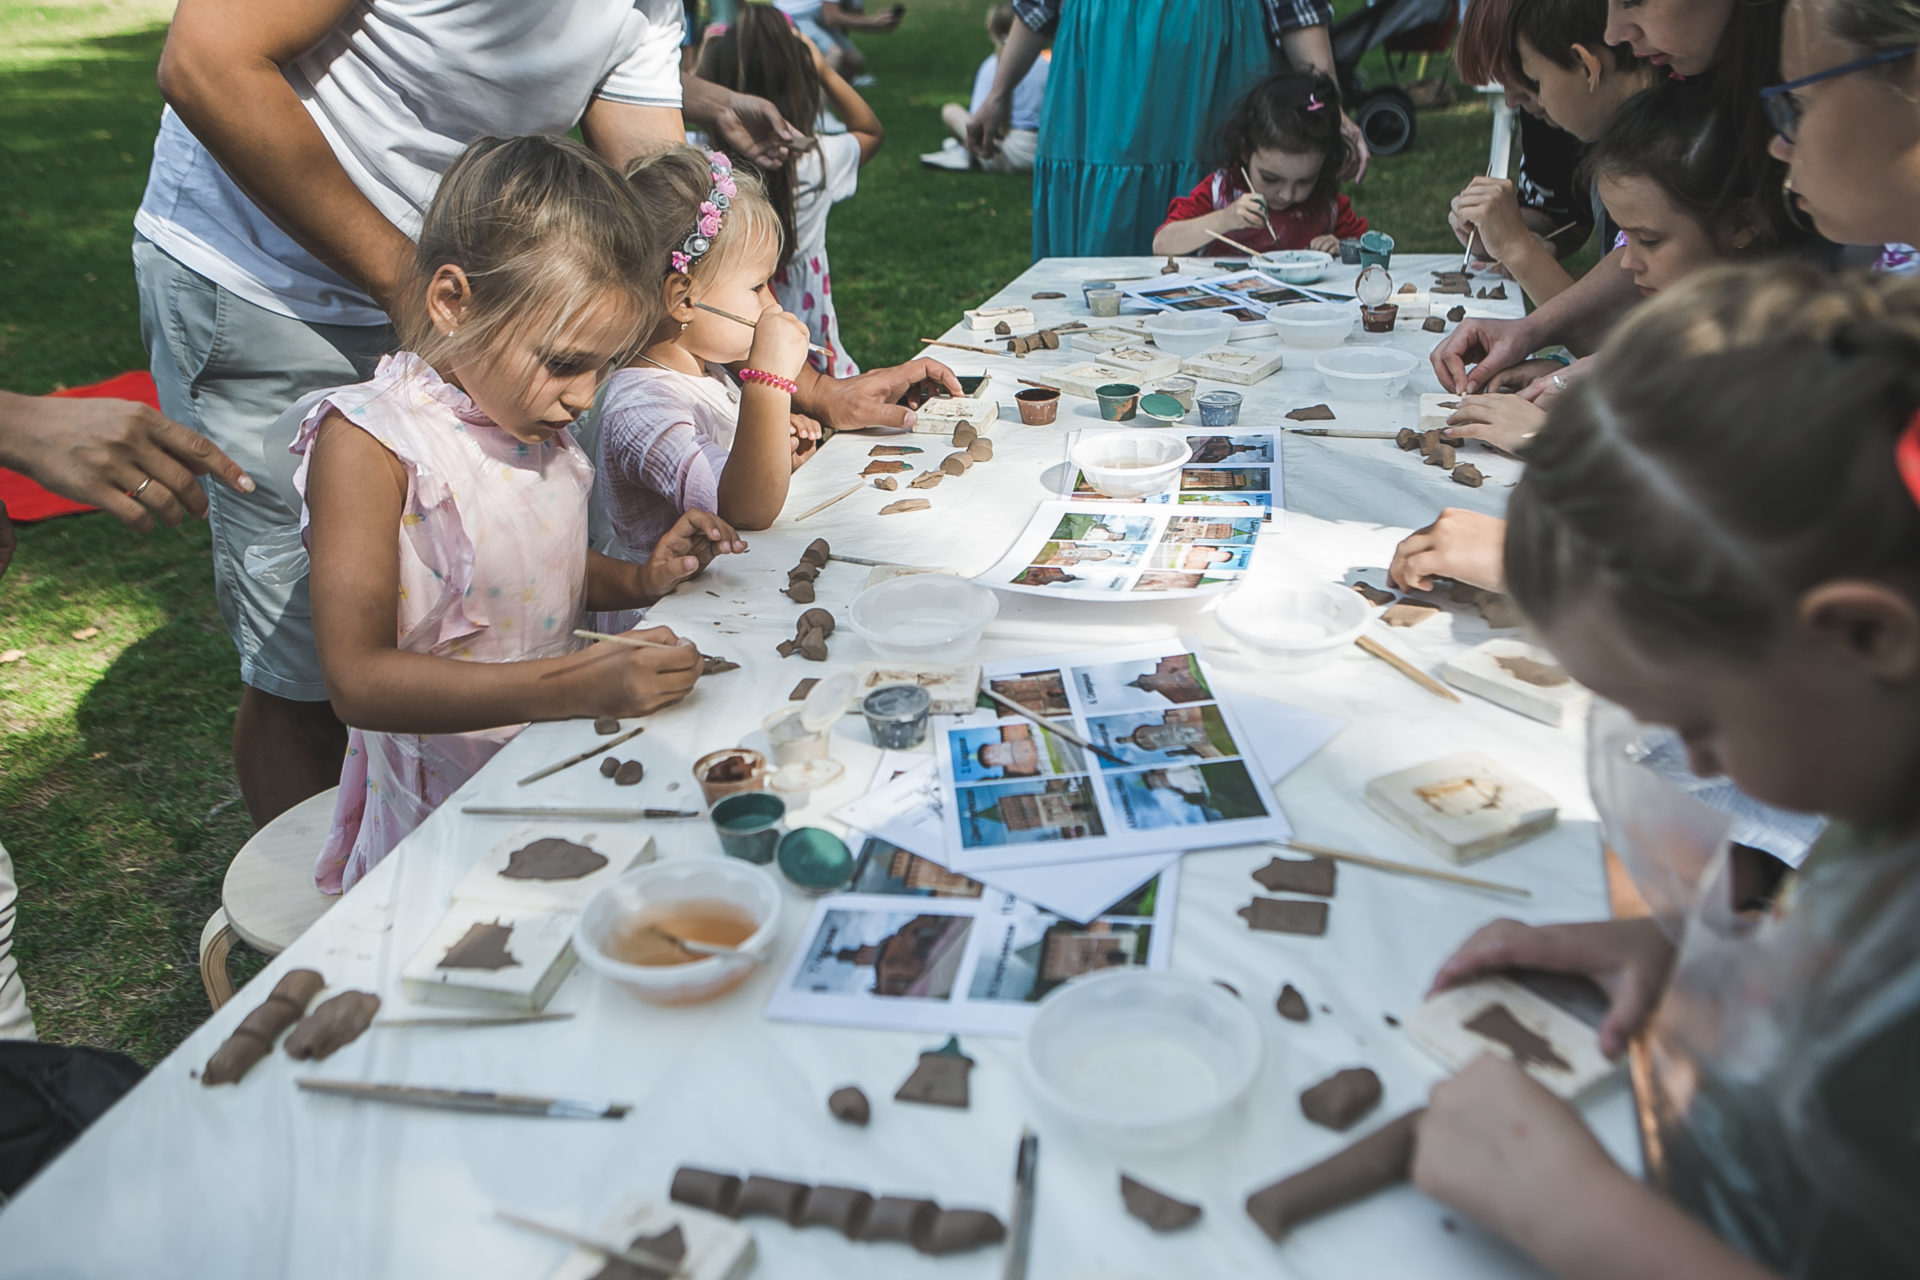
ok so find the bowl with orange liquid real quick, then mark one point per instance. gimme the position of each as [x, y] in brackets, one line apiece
[634, 932]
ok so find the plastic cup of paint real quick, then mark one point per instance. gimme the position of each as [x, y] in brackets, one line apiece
[1091, 285]
[1038, 405]
[1379, 319]
[1162, 408]
[814, 861]
[1376, 249]
[1103, 302]
[748, 824]
[1350, 252]
[1220, 409]
[751, 768]
[1181, 389]
[1118, 401]
[897, 716]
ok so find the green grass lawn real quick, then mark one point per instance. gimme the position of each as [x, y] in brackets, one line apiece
[117, 798]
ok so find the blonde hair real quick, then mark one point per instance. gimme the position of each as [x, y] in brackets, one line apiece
[545, 232]
[670, 185]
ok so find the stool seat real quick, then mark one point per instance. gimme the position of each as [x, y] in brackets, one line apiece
[269, 896]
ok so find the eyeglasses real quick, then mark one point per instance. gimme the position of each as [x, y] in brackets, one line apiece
[1783, 109]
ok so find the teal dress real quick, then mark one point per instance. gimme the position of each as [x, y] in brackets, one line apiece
[1136, 96]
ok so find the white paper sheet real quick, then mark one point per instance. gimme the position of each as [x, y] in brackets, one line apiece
[1121, 552]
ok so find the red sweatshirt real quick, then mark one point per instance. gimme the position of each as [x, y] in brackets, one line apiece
[1294, 228]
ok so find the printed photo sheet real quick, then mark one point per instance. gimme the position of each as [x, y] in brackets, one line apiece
[1118, 552]
[1229, 469]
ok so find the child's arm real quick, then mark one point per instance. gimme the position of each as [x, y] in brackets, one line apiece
[1463, 545]
[1192, 216]
[1490, 209]
[1497, 1146]
[835, 14]
[753, 484]
[850, 107]
[356, 491]
[682, 551]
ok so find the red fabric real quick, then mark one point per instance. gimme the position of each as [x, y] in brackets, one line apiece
[26, 501]
[1294, 228]
[1906, 456]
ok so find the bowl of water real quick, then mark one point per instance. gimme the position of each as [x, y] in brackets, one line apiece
[630, 931]
[1312, 326]
[1293, 266]
[1142, 1060]
[1365, 373]
[1293, 627]
[1188, 333]
[923, 617]
[1131, 464]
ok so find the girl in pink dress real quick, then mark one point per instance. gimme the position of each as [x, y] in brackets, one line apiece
[446, 501]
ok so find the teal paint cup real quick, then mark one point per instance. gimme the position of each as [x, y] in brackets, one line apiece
[748, 824]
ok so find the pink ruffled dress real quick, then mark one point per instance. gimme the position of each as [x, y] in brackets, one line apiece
[493, 562]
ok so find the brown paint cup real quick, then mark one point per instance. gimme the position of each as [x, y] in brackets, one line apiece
[1038, 405]
[755, 779]
[1379, 319]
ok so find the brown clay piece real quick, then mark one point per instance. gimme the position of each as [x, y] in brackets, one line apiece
[1049, 339]
[482, 946]
[1377, 1161]
[629, 773]
[964, 435]
[1156, 1208]
[956, 464]
[801, 690]
[958, 1230]
[253, 1039]
[713, 665]
[887, 451]
[668, 1246]
[1409, 287]
[1374, 595]
[885, 467]
[336, 1023]
[981, 450]
[1456, 314]
[1497, 1023]
[844, 1209]
[1294, 875]
[1429, 441]
[1312, 413]
[705, 1189]
[799, 590]
[1292, 1005]
[1408, 613]
[1442, 456]
[608, 766]
[886, 482]
[940, 1079]
[817, 553]
[905, 504]
[1542, 675]
[1408, 439]
[1434, 324]
[1469, 475]
[1003, 328]
[605, 726]
[765, 1197]
[1339, 1101]
[849, 1105]
[551, 858]
[1047, 295]
[1285, 915]
[925, 480]
[902, 1218]
[1500, 611]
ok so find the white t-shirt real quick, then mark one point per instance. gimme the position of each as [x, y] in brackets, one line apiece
[1024, 111]
[815, 198]
[399, 89]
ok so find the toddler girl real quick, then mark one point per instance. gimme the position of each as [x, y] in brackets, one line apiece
[674, 433]
[446, 502]
[1279, 185]
[1719, 530]
[760, 54]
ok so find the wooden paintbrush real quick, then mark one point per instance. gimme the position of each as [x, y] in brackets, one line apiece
[858, 485]
[1406, 868]
[1064, 734]
[591, 752]
[981, 351]
[631, 642]
[754, 325]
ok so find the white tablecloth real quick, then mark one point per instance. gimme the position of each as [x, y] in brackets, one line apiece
[261, 1180]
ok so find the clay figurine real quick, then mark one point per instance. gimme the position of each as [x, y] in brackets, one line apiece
[940, 1080]
[849, 1104]
[907, 504]
[1285, 915]
[335, 1024]
[1408, 439]
[253, 1039]
[1155, 1208]
[551, 858]
[810, 634]
[1342, 1099]
[1292, 1005]
[1292, 875]
[1377, 1161]
[1469, 475]
[1312, 413]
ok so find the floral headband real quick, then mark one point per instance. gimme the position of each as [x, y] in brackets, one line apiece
[712, 209]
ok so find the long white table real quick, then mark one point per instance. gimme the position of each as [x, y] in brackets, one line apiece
[262, 1180]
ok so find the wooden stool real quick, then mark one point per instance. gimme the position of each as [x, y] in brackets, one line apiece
[269, 898]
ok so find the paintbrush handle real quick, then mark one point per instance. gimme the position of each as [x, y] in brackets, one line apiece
[1369, 645]
[754, 325]
[1244, 248]
[631, 642]
[1407, 869]
[816, 510]
[588, 754]
[961, 346]
[1066, 735]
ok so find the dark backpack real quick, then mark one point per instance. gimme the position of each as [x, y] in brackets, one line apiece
[48, 1094]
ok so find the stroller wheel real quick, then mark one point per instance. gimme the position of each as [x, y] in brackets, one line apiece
[1386, 119]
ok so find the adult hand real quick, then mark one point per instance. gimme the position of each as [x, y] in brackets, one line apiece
[754, 128]
[1463, 545]
[684, 550]
[987, 126]
[1496, 1145]
[1490, 207]
[1467, 358]
[1630, 959]
[852, 404]
[125, 458]
[1542, 391]
[1505, 422]
[1357, 166]
[638, 682]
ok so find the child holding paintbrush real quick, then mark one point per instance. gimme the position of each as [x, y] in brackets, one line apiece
[1279, 185]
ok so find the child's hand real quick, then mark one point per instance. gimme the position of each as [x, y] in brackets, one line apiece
[1325, 244]
[1505, 422]
[638, 682]
[684, 550]
[1630, 959]
[1463, 545]
[1497, 1146]
[1490, 207]
[1250, 210]
[804, 438]
[1542, 391]
[779, 344]
[1515, 377]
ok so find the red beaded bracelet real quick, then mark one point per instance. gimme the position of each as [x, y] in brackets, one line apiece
[771, 379]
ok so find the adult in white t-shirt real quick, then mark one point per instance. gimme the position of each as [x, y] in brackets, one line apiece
[301, 144]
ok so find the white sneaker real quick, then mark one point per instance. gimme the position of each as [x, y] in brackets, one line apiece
[951, 156]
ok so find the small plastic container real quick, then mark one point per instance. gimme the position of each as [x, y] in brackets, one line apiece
[1379, 319]
[1293, 627]
[1350, 252]
[1376, 249]
[815, 861]
[1104, 302]
[1131, 464]
[1162, 408]
[1365, 373]
[1141, 1060]
[897, 716]
[923, 617]
[1188, 333]
[754, 767]
[790, 739]
[1181, 388]
[1312, 326]
[1219, 409]
[1087, 288]
[748, 824]
[655, 889]
[1038, 405]
[1119, 401]
[1293, 266]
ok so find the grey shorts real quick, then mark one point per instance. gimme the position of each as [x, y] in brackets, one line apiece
[230, 370]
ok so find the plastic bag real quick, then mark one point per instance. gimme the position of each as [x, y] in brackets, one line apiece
[278, 559]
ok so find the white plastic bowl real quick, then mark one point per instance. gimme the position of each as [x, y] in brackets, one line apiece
[1293, 266]
[1313, 325]
[1293, 627]
[1131, 464]
[691, 879]
[1142, 1060]
[929, 617]
[1188, 333]
[1365, 373]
